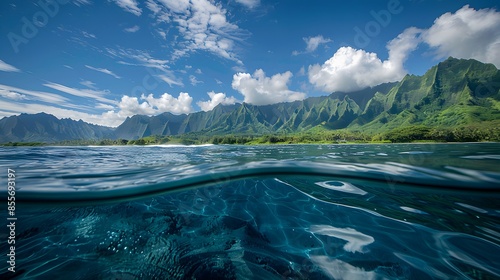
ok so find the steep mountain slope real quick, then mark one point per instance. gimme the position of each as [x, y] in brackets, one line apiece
[139, 126]
[248, 119]
[43, 127]
[454, 93]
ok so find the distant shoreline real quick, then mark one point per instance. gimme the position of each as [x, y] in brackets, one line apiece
[174, 145]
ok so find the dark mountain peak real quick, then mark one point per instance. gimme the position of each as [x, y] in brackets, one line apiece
[452, 62]
[39, 115]
[170, 115]
[225, 107]
[139, 117]
[43, 127]
[361, 97]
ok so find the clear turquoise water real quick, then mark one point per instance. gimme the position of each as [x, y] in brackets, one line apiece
[406, 211]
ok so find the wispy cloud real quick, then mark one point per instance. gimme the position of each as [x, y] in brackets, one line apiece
[104, 106]
[170, 80]
[37, 95]
[140, 58]
[249, 3]
[88, 35]
[12, 95]
[7, 67]
[86, 93]
[194, 81]
[153, 6]
[103, 70]
[203, 25]
[34, 108]
[162, 34]
[88, 84]
[130, 6]
[312, 43]
[158, 68]
[132, 29]
[82, 2]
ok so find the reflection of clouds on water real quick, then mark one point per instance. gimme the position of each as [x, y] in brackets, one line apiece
[413, 210]
[468, 254]
[341, 187]
[414, 153]
[482, 157]
[338, 269]
[474, 208]
[355, 239]
[477, 175]
[422, 265]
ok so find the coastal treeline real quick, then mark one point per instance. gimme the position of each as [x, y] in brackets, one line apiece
[408, 134]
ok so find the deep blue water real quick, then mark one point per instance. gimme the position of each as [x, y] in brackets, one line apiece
[402, 211]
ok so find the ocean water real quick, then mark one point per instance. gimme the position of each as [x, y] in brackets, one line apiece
[393, 211]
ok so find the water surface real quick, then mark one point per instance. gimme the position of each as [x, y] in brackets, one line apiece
[402, 211]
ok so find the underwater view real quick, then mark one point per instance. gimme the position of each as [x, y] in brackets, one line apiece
[249, 139]
[388, 211]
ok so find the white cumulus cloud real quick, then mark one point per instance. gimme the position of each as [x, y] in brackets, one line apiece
[150, 105]
[261, 90]
[216, 99]
[168, 103]
[467, 33]
[351, 69]
[130, 106]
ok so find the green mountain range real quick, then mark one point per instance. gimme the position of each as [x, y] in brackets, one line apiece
[44, 127]
[455, 93]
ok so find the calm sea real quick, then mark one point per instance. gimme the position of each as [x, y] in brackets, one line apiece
[394, 211]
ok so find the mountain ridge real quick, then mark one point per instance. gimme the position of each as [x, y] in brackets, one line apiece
[43, 127]
[452, 93]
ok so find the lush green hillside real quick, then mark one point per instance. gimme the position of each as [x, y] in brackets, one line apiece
[47, 128]
[456, 100]
[454, 93]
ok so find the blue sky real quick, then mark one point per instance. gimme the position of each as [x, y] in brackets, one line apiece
[102, 61]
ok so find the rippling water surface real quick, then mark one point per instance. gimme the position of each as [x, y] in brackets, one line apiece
[405, 211]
